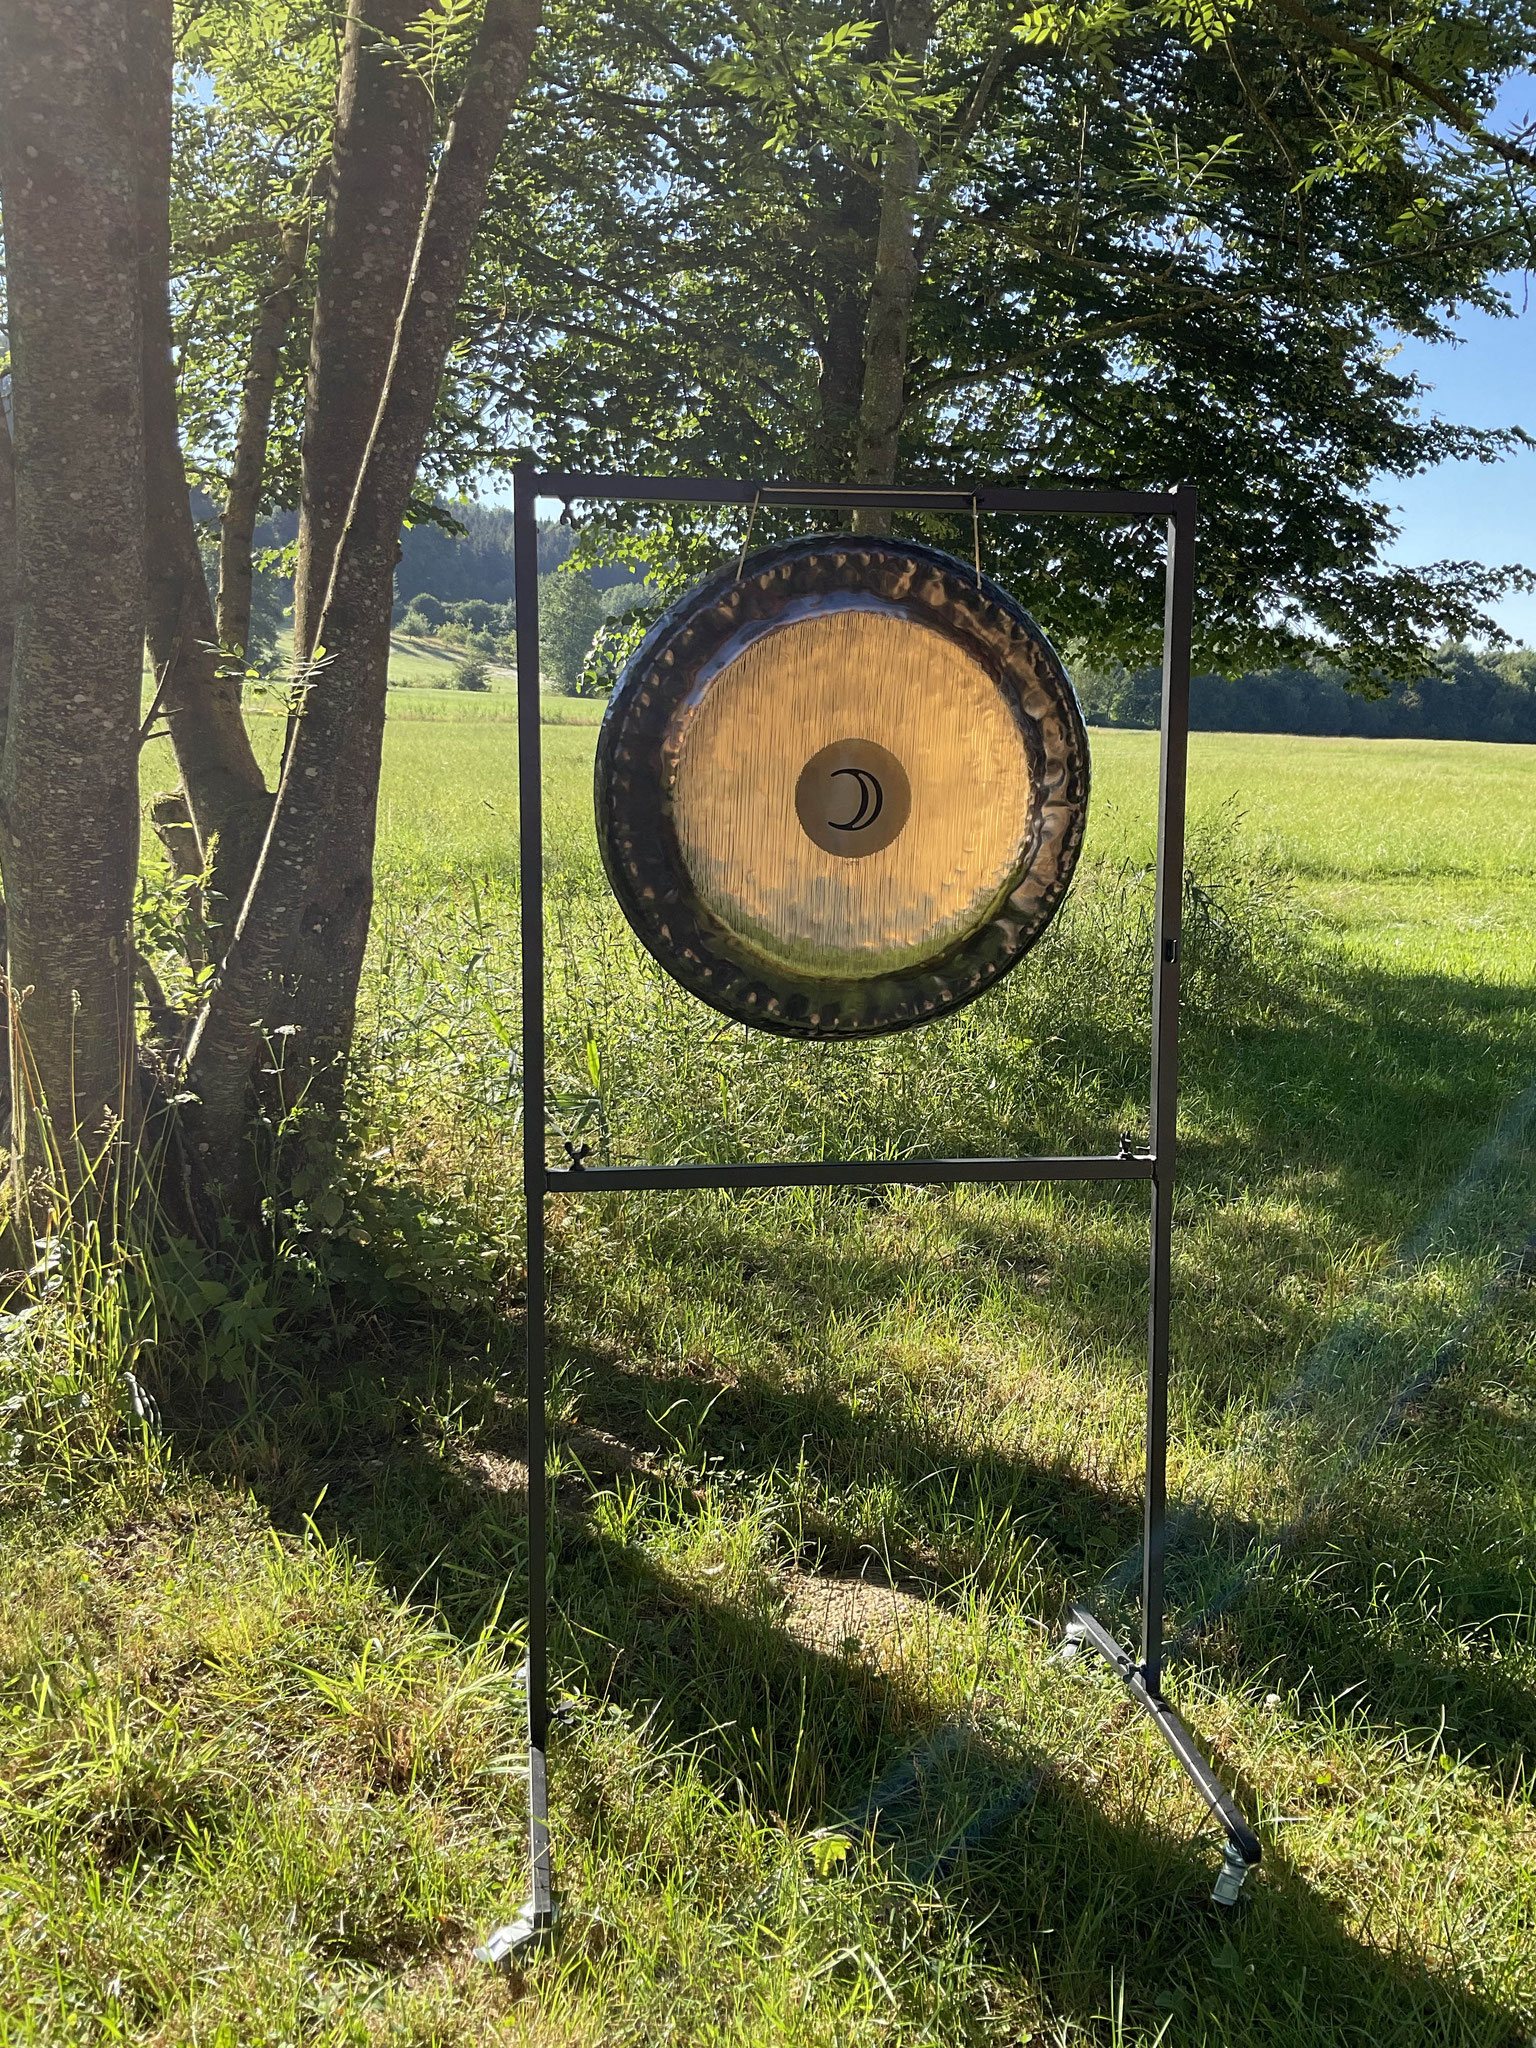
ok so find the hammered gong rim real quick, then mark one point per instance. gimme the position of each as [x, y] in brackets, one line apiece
[701, 636]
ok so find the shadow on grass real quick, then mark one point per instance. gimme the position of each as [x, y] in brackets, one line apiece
[1072, 1893]
[1374, 1091]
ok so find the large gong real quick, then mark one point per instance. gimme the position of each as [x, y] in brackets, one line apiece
[843, 790]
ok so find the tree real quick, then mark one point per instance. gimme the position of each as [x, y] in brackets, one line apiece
[1141, 246]
[421, 107]
[72, 566]
[473, 673]
[570, 612]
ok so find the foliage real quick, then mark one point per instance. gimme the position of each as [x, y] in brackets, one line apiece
[477, 561]
[570, 612]
[1149, 251]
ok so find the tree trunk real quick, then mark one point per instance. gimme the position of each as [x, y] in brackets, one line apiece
[7, 569]
[69, 779]
[242, 504]
[199, 694]
[298, 953]
[849, 203]
[7, 650]
[894, 285]
[380, 166]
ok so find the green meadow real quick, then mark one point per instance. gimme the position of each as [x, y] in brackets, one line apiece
[828, 1471]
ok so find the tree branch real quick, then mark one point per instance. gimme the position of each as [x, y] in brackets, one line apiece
[1459, 116]
[228, 239]
[226, 790]
[378, 180]
[237, 528]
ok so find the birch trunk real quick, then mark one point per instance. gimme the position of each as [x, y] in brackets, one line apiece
[69, 801]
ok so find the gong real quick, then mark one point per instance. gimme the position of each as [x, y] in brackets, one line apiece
[842, 789]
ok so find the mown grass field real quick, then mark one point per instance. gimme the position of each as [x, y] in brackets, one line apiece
[828, 1472]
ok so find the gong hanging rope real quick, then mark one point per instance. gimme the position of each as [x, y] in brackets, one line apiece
[841, 787]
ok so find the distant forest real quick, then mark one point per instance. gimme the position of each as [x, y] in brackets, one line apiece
[478, 562]
[1469, 697]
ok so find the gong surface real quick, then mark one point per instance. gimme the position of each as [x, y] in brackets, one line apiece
[843, 791]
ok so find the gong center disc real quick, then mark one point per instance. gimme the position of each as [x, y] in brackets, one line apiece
[850, 792]
[853, 798]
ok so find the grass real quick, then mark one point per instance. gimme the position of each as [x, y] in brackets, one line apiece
[828, 1471]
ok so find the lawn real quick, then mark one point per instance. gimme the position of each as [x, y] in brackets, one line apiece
[829, 1469]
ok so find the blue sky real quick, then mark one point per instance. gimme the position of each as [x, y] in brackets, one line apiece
[1473, 511]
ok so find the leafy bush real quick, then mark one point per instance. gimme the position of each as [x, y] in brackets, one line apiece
[616, 640]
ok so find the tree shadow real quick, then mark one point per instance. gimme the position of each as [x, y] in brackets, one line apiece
[1072, 1885]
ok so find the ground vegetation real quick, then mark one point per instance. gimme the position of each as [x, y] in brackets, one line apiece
[827, 1471]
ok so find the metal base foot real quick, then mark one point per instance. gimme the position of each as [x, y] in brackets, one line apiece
[1230, 1880]
[528, 1930]
[536, 1922]
[1243, 1849]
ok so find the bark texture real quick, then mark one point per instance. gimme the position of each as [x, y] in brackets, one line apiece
[298, 952]
[380, 167]
[7, 570]
[242, 504]
[894, 285]
[69, 778]
[199, 693]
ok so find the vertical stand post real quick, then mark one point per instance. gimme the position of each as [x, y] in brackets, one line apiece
[1172, 772]
[530, 786]
[1144, 1680]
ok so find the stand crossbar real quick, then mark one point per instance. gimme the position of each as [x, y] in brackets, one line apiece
[847, 1173]
[1142, 1677]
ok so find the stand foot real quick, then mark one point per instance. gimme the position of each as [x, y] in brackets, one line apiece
[526, 1931]
[536, 1922]
[1243, 1851]
[1231, 1878]
[1073, 1638]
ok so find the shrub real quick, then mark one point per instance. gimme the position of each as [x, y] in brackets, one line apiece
[473, 673]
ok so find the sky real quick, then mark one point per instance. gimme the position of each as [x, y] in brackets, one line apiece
[1473, 511]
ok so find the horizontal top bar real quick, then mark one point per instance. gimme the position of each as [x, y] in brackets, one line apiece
[837, 1173]
[674, 490]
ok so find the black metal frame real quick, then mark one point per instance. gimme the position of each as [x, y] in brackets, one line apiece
[1143, 1677]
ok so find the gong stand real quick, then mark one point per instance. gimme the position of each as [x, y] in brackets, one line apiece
[1142, 1677]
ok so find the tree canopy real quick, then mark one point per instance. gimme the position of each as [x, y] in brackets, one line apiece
[1151, 244]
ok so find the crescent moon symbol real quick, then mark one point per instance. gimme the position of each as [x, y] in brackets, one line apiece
[871, 800]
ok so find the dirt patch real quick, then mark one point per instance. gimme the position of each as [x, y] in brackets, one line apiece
[846, 1614]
